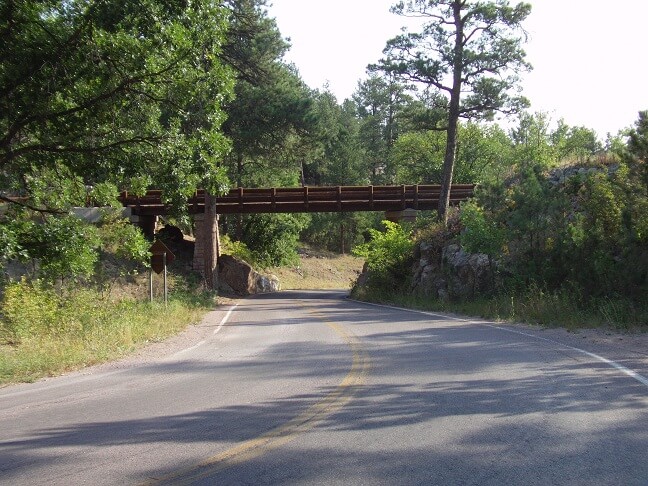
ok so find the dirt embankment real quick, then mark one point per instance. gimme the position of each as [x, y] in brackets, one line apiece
[318, 269]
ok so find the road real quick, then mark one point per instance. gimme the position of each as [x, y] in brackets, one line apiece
[311, 388]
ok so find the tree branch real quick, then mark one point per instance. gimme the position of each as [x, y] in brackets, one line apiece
[16, 201]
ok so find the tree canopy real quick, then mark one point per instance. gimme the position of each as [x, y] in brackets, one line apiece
[128, 93]
[469, 54]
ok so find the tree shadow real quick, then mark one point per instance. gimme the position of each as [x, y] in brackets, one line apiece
[504, 402]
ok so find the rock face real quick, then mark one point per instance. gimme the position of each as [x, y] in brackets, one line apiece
[559, 175]
[237, 276]
[454, 274]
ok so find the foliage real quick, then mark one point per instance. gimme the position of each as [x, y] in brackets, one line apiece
[380, 101]
[532, 140]
[585, 236]
[418, 157]
[480, 234]
[59, 247]
[43, 332]
[272, 238]
[338, 232]
[532, 305]
[236, 249]
[578, 143]
[122, 239]
[64, 247]
[387, 255]
[109, 91]
[271, 104]
[28, 309]
[469, 54]
[98, 96]
[483, 153]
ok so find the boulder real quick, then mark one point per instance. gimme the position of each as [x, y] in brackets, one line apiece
[238, 276]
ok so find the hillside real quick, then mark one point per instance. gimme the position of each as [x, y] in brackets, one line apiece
[319, 269]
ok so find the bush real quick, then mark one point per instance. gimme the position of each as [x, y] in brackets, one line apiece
[388, 255]
[28, 309]
[44, 332]
[272, 238]
[236, 249]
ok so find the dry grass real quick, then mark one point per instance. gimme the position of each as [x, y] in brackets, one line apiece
[318, 269]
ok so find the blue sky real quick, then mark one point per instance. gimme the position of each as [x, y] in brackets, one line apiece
[589, 56]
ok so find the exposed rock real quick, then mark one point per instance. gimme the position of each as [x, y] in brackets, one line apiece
[560, 175]
[170, 233]
[237, 276]
[454, 275]
[468, 274]
[446, 273]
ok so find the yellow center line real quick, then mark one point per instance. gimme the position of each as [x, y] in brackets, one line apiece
[305, 421]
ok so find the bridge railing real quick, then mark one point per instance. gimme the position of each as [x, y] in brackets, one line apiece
[309, 199]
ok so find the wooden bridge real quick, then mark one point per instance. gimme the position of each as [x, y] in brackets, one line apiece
[306, 199]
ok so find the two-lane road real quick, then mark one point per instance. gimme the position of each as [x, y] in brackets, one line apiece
[310, 388]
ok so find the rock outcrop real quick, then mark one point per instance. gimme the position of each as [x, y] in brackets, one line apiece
[454, 274]
[239, 277]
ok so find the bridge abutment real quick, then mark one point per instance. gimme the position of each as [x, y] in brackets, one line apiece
[404, 216]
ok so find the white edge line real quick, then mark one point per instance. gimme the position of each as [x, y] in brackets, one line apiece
[627, 371]
[225, 318]
[218, 328]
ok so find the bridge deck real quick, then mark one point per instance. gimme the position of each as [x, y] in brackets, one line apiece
[307, 199]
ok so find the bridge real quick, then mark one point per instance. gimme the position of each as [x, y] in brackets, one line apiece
[307, 199]
[394, 200]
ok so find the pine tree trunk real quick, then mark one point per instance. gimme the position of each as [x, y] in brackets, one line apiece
[453, 116]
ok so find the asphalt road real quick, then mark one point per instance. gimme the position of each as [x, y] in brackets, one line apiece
[310, 388]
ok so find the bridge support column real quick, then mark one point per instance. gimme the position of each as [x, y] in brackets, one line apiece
[206, 248]
[404, 216]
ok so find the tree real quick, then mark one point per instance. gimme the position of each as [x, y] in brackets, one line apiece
[271, 102]
[379, 101]
[577, 142]
[484, 153]
[470, 54]
[97, 96]
[532, 139]
[417, 157]
[115, 92]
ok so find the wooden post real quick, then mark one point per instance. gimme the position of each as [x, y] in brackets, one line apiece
[211, 243]
[166, 299]
[150, 285]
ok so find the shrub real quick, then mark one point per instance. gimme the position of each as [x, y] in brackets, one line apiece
[28, 309]
[388, 255]
[236, 249]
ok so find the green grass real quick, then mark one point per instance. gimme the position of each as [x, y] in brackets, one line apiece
[45, 334]
[549, 309]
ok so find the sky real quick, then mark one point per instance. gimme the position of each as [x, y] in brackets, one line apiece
[589, 56]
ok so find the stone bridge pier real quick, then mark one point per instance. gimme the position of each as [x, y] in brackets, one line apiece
[207, 242]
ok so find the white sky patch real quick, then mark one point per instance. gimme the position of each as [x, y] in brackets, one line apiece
[588, 55]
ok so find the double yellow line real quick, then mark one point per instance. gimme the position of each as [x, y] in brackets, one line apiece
[309, 418]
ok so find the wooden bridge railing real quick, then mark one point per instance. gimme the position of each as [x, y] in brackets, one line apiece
[308, 199]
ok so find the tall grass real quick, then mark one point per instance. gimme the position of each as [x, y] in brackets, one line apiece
[562, 308]
[44, 333]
